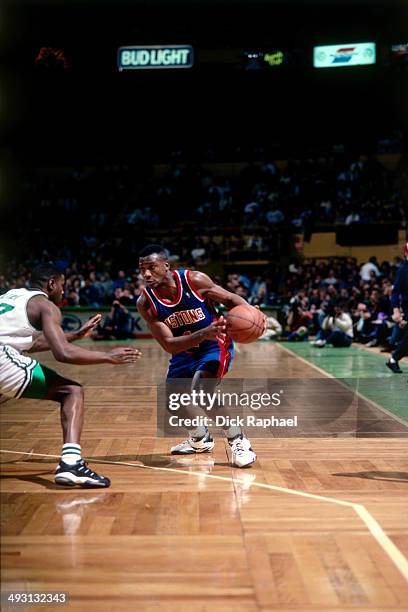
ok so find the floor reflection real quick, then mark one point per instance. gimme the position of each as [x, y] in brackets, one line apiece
[74, 510]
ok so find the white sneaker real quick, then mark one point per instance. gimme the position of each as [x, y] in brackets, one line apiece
[194, 445]
[319, 343]
[242, 453]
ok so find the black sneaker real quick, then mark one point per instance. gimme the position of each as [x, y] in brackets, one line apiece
[79, 474]
[394, 367]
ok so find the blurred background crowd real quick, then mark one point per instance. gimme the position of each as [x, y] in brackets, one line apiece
[92, 220]
[312, 298]
[102, 212]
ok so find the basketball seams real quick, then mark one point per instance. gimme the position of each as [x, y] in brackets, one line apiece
[253, 326]
[253, 322]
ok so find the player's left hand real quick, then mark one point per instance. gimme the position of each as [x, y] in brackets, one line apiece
[89, 326]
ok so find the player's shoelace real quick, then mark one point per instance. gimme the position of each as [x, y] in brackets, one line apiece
[83, 467]
[238, 447]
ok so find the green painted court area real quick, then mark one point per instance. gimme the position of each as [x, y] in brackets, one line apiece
[362, 370]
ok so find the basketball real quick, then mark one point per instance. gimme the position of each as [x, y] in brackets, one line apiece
[245, 324]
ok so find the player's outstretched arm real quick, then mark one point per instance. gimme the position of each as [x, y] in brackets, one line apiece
[165, 338]
[206, 287]
[41, 343]
[64, 351]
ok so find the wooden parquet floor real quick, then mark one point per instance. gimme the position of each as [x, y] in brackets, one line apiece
[175, 533]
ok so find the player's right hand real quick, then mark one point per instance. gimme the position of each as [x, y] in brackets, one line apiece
[88, 327]
[124, 355]
[217, 330]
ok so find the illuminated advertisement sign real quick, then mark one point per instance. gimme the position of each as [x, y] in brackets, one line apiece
[155, 56]
[399, 50]
[337, 56]
[275, 58]
[264, 59]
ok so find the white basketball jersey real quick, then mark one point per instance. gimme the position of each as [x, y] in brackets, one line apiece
[15, 328]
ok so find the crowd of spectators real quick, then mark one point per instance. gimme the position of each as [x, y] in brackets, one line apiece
[335, 302]
[93, 220]
[341, 302]
[103, 212]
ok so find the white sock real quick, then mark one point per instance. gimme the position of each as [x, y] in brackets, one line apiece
[392, 360]
[71, 453]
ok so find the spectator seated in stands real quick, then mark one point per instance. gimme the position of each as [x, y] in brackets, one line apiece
[363, 325]
[73, 298]
[331, 279]
[232, 283]
[251, 212]
[353, 217]
[120, 281]
[299, 320]
[89, 295]
[381, 326]
[273, 330]
[118, 325]
[260, 297]
[274, 215]
[242, 291]
[336, 328]
[368, 268]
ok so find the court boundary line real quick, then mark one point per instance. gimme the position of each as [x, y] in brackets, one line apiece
[388, 546]
[339, 380]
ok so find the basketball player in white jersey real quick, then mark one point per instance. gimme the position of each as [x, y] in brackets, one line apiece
[31, 321]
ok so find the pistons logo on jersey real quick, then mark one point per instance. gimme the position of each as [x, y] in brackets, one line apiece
[184, 317]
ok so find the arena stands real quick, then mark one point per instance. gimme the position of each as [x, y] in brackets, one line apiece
[240, 221]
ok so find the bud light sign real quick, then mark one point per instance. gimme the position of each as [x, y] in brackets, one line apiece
[155, 56]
